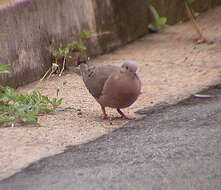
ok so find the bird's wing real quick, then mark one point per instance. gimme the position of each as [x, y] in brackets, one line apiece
[94, 77]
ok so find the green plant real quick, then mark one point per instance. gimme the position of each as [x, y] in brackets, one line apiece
[18, 107]
[63, 53]
[85, 34]
[60, 53]
[160, 22]
[4, 68]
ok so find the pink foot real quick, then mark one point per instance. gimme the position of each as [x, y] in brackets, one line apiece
[124, 116]
[106, 117]
[104, 112]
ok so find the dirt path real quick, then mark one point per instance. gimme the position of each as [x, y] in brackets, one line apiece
[171, 67]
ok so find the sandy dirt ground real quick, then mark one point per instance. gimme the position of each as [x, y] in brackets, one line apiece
[171, 67]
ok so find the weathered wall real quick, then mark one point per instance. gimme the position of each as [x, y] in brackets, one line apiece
[34, 27]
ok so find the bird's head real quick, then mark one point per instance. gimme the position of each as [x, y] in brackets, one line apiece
[129, 66]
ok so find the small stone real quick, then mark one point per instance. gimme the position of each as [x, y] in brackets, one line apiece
[79, 113]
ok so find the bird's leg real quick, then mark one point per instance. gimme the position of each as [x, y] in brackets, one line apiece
[124, 116]
[104, 112]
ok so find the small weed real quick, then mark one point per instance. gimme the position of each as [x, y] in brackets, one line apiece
[15, 106]
[66, 56]
[62, 54]
[160, 22]
[18, 107]
[4, 68]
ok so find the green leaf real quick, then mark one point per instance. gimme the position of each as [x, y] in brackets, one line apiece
[35, 97]
[34, 109]
[85, 34]
[44, 109]
[56, 53]
[70, 108]
[162, 20]
[73, 44]
[29, 118]
[66, 51]
[2, 88]
[81, 46]
[154, 12]
[59, 101]
[6, 118]
[195, 13]
[10, 92]
[60, 51]
[19, 109]
[3, 97]
[4, 107]
[22, 98]
[153, 27]
[4, 68]
[24, 107]
[45, 100]
[4, 71]
[56, 102]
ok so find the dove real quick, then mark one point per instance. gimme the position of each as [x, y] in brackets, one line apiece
[112, 86]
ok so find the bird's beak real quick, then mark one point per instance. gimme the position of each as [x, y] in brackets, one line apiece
[135, 74]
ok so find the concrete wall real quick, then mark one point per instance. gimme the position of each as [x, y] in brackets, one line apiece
[34, 27]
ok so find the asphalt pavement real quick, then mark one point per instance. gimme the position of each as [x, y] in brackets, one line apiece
[173, 147]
